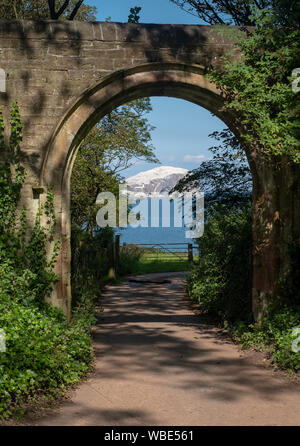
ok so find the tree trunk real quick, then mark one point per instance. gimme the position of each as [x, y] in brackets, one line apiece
[276, 228]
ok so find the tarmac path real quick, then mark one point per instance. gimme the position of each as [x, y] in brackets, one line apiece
[157, 363]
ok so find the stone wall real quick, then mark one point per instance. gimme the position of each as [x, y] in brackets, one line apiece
[50, 64]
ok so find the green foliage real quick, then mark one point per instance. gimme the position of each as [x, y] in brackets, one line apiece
[11, 177]
[91, 259]
[130, 256]
[163, 262]
[134, 14]
[257, 86]
[25, 253]
[221, 281]
[237, 12]
[36, 258]
[225, 178]
[121, 138]
[43, 353]
[221, 284]
[275, 334]
[40, 10]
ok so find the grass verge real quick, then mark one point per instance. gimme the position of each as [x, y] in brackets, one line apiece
[161, 263]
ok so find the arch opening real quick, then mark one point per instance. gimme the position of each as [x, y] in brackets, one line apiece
[156, 79]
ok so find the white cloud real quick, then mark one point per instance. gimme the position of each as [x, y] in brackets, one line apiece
[194, 158]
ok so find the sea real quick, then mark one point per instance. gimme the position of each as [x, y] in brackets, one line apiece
[150, 235]
[164, 232]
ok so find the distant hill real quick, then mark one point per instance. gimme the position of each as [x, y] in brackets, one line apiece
[155, 182]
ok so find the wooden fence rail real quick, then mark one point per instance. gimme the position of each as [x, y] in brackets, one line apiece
[164, 252]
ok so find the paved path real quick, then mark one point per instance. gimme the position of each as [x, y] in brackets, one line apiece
[157, 364]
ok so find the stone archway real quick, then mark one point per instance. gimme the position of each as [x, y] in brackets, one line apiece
[49, 64]
[155, 79]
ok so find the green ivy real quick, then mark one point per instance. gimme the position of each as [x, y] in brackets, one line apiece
[43, 352]
[257, 86]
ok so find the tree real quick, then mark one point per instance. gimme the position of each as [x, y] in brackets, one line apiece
[134, 14]
[225, 179]
[70, 9]
[237, 12]
[114, 144]
[220, 282]
[256, 89]
[121, 138]
[47, 9]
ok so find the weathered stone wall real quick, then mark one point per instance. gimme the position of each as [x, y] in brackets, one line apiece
[50, 64]
[65, 75]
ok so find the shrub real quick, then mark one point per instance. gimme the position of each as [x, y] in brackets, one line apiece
[90, 264]
[43, 352]
[129, 259]
[221, 281]
[275, 333]
[221, 284]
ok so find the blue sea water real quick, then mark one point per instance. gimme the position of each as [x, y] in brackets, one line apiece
[166, 232]
[153, 235]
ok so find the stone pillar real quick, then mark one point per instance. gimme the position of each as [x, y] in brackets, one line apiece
[276, 228]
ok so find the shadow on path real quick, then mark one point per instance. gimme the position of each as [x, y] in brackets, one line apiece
[157, 363]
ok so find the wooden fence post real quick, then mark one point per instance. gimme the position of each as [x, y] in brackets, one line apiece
[117, 253]
[190, 252]
[111, 257]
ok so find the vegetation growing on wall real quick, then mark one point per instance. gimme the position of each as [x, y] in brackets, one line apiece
[43, 353]
[258, 86]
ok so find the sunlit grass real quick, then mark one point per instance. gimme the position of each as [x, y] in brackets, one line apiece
[160, 262]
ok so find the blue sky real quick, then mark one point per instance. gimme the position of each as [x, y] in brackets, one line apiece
[153, 11]
[182, 128]
[181, 134]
